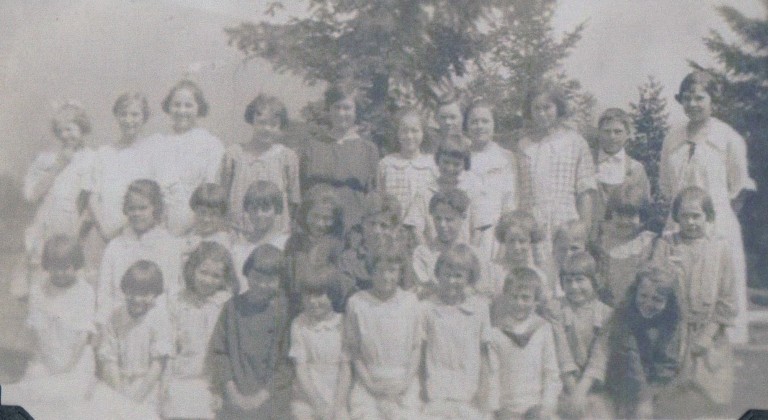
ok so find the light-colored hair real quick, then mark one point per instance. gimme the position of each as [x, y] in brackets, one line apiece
[127, 98]
[216, 252]
[149, 189]
[71, 112]
[460, 256]
[202, 104]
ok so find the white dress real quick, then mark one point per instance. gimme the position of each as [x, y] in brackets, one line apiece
[719, 166]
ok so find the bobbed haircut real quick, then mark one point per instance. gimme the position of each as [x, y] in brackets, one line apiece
[71, 112]
[455, 147]
[518, 219]
[553, 93]
[455, 198]
[701, 78]
[524, 278]
[263, 105]
[326, 283]
[142, 277]
[149, 189]
[318, 196]
[202, 104]
[476, 104]
[377, 203]
[210, 195]
[387, 254]
[61, 252]
[693, 193]
[628, 200]
[127, 98]
[664, 280]
[265, 259]
[263, 194]
[579, 263]
[616, 114]
[460, 256]
[214, 251]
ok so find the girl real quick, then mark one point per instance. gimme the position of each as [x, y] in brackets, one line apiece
[58, 180]
[195, 154]
[248, 350]
[450, 119]
[120, 163]
[622, 243]
[383, 339]
[645, 345]
[322, 366]
[209, 205]
[143, 238]
[263, 158]
[523, 350]
[561, 165]
[404, 173]
[709, 154]
[210, 279]
[498, 169]
[707, 299]
[342, 158]
[138, 338]
[457, 329]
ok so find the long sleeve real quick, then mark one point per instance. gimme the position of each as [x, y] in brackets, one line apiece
[218, 361]
[725, 305]
[550, 370]
[666, 183]
[736, 161]
[598, 356]
[105, 288]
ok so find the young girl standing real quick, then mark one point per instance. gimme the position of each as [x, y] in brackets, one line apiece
[210, 280]
[707, 299]
[262, 159]
[709, 154]
[195, 154]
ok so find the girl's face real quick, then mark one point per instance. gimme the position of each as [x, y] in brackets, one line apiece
[377, 229]
[262, 217]
[453, 282]
[613, 136]
[317, 306]
[343, 114]
[648, 299]
[522, 302]
[567, 246]
[692, 219]
[386, 277]
[130, 118]
[70, 134]
[266, 128]
[410, 134]
[447, 223]
[625, 225]
[543, 112]
[449, 119]
[139, 304]
[63, 277]
[480, 126]
[262, 286]
[578, 288]
[450, 167]
[518, 245]
[140, 213]
[320, 219]
[183, 110]
[209, 277]
[208, 220]
[697, 103]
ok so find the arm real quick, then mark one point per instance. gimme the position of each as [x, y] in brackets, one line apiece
[42, 175]
[292, 182]
[218, 363]
[309, 388]
[586, 186]
[139, 390]
[585, 207]
[724, 310]
[551, 375]
[343, 386]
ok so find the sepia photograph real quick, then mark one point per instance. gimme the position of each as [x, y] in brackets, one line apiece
[383, 209]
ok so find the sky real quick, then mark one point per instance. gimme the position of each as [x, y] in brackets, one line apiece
[93, 50]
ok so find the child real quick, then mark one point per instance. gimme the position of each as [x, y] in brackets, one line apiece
[457, 329]
[708, 304]
[186, 158]
[249, 345]
[570, 238]
[404, 173]
[383, 339]
[453, 163]
[622, 244]
[209, 205]
[645, 345]
[323, 373]
[143, 238]
[210, 279]
[709, 154]
[523, 347]
[584, 319]
[57, 180]
[263, 203]
[450, 119]
[138, 338]
[262, 159]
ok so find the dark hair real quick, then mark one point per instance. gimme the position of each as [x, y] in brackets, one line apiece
[387, 254]
[211, 196]
[580, 263]
[616, 114]
[476, 104]
[265, 259]
[697, 194]
[126, 99]
[266, 105]
[202, 104]
[211, 251]
[455, 198]
[460, 255]
[664, 279]
[263, 193]
[553, 93]
[142, 277]
[524, 277]
[522, 220]
[71, 112]
[340, 91]
[699, 78]
[322, 195]
[377, 203]
[149, 189]
[326, 283]
[61, 252]
[455, 147]
[628, 199]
